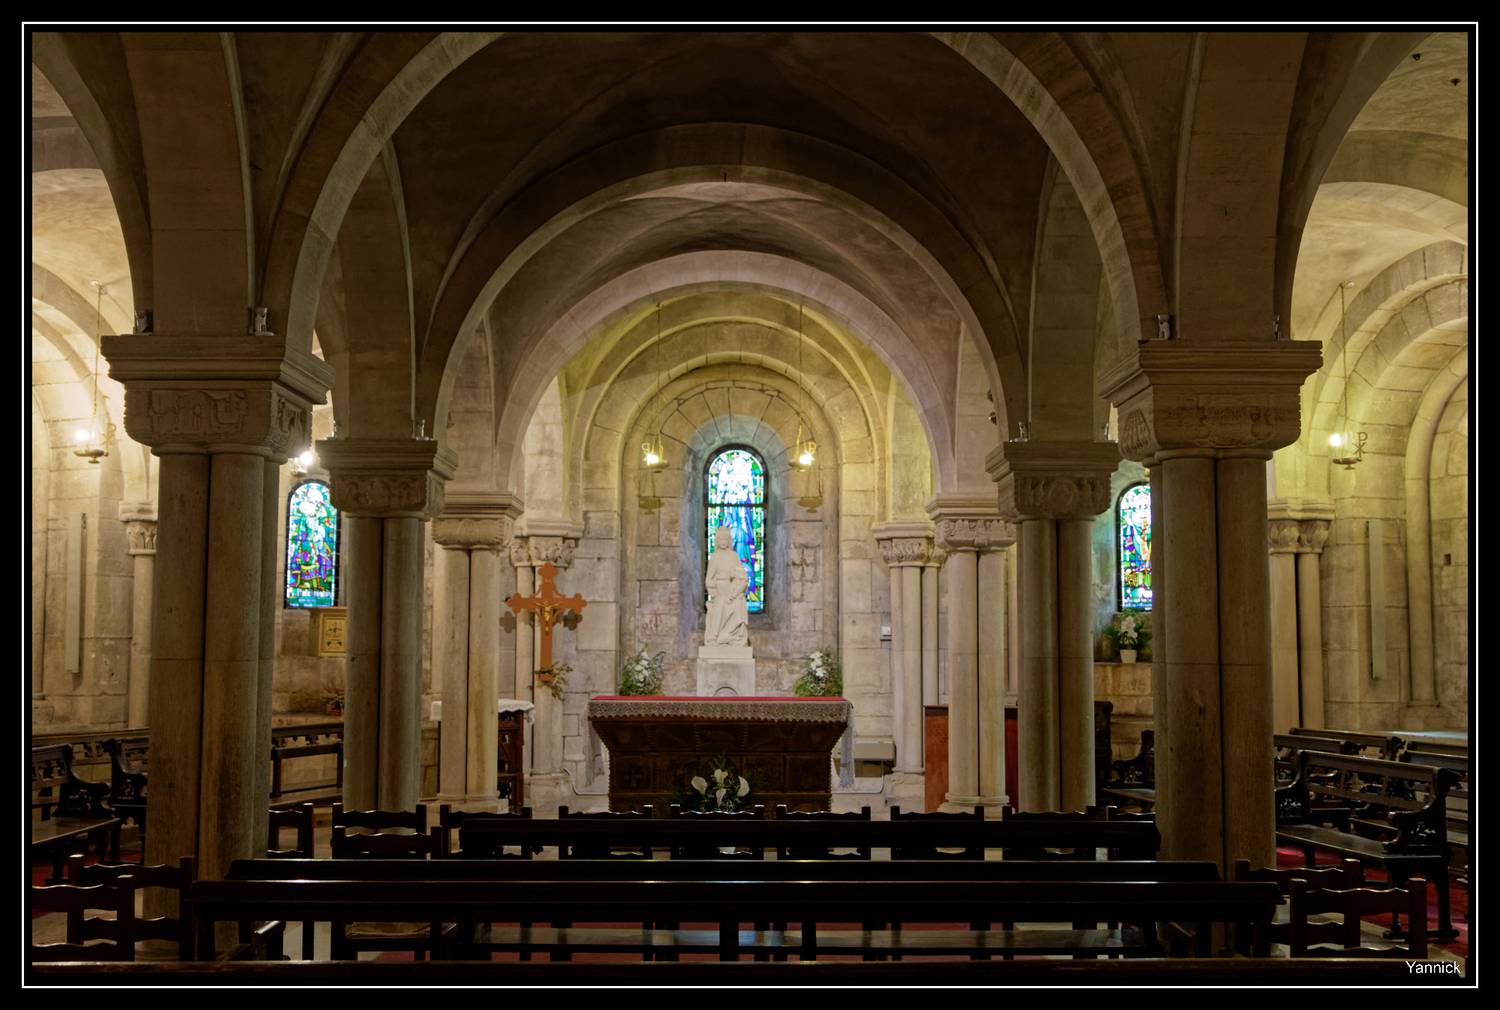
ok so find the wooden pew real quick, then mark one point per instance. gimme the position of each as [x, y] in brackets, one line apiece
[72, 811]
[1384, 746]
[1456, 803]
[1130, 839]
[732, 902]
[127, 778]
[1408, 798]
[290, 743]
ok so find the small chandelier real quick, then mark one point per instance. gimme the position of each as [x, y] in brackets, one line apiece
[90, 441]
[804, 451]
[1346, 445]
[303, 462]
[653, 452]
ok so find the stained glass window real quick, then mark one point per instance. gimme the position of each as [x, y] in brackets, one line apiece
[736, 497]
[312, 546]
[1134, 515]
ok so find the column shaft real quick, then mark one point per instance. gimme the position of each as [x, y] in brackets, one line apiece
[911, 670]
[991, 618]
[1075, 664]
[400, 761]
[270, 606]
[231, 663]
[1245, 661]
[1310, 639]
[1037, 708]
[1286, 691]
[899, 701]
[930, 634]
[525, 645]
[484, 674]
[963, 681]
[1160, 670]
[363, 536]
[142, 578]
[450, 665]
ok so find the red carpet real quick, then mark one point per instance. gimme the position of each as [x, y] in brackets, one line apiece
[1458, 898]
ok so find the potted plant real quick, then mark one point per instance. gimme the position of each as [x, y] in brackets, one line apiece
[642, 674]
[822, 676]
[334, 697]
[554, 678]
[724, 790]
[1128, 633]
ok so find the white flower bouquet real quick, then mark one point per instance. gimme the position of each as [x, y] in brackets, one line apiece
[822, 676]
[642, 674]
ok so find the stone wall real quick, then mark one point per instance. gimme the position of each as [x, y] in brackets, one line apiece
[1449, 475]
[1128, 686]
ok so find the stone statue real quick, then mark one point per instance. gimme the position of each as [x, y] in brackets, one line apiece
[726, 581]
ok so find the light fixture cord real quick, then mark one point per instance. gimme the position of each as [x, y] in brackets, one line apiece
[98, 338]
[1344, 353]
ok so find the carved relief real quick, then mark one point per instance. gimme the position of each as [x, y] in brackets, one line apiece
[901, 551]
[388, 494]
[1313, 534]
[1284, 535]
[471, 532]
[520, 554]
[975, 534]
[195, 413]
[1061, 496]
[289, 427]
[1135, 435]
[553, 550]
[141, 535]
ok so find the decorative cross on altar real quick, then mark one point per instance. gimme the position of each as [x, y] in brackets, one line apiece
[549, 608]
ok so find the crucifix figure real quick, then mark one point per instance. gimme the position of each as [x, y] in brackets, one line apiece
[549, 608]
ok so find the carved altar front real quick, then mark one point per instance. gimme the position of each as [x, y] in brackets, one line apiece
[782, 745]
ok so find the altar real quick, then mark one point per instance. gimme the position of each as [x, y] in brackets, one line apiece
[782, 745]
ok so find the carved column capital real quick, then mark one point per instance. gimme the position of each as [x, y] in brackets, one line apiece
[1177, 397]
[1299, 525]
[1053, 480]
[1284, 535]
[904, 543]
[140, 534]
[387, 477]
[476, 521]
[206, 394]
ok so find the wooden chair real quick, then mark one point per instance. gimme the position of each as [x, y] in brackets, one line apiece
[119, 932]
[381, 820]
[384, 844]
[1346, 876]
[601, 850]
[450, 821]
[134, 876]
[1094, 813]
[819, 851]
[931, 852]
[1311, 939]
[755, 813]
[346, 940]
[299, 819]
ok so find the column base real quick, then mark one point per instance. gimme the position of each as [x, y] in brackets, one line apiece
[546, 791]
[905, 789]
[964, 804]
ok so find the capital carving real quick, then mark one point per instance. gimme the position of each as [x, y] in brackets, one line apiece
[1313, 534]
[975, 534]
[520, 553]
[1053, 480]
[904, 551]
[476, 521]
[387, 477]
[556, 551]
[1299, 525]
[1285, 535]
[140, 534]
[1175, 396]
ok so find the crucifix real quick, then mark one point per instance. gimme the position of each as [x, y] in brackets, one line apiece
[549, 608]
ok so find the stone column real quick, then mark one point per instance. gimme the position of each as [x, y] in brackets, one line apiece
[1206, 417]
[1054, 489]
[140, 533]
[520, 559]
[1286, 692]
[222, 413]
[930, 627]
[972, 535]
[548, 542]
[471, 532]
[906, 547]
[1313, 535]
[386, 488]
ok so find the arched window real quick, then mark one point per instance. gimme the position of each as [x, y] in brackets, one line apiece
[1133, 514]
[312, 546]
[735, 492]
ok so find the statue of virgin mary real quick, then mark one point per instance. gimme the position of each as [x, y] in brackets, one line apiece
[727, 622]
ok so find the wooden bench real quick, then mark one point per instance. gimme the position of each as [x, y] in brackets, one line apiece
[732, 902]
[1126, 839]
[1456, 802]
[1384, 746]
[289, 743]
[1133, 781]
[127, 778]
[72, 811]
[1408, 800]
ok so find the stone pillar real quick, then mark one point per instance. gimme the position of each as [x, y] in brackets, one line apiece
[221, 413]
[1313, 535]
[1054, 489]
[548, 542]
[386, 488]
[1206, 417]
[930, 627]
[973, 537]
[520, 559]
[906, 547]
[1286, 692]
[471, 532]
[140, 533]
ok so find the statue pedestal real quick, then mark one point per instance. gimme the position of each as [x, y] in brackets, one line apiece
[726, 670]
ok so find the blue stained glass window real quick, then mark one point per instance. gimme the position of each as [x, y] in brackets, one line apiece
[312, 546]
[736, 497]
[1134, 516]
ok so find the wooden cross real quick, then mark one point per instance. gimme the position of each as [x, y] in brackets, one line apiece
[549, 607]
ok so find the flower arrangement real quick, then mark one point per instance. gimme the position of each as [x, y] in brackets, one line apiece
[554, 678]
[822, 676]
[334, 699]
[642, 674]
[724, 790]
[1130, 630]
